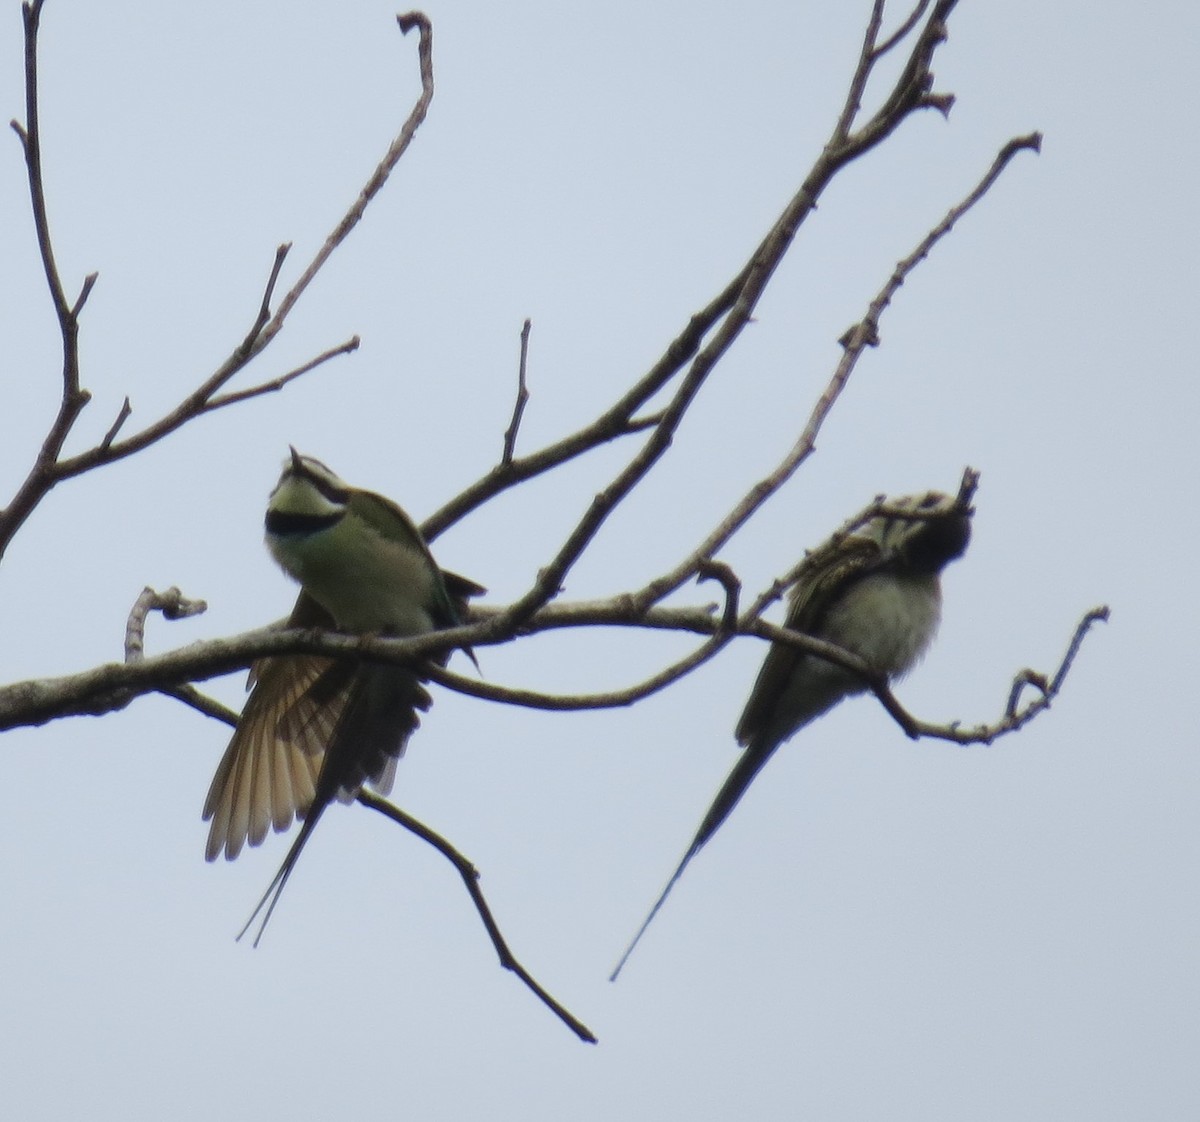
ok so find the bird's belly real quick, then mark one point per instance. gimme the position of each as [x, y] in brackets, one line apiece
[888, 620]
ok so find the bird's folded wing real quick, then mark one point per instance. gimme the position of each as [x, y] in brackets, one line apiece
[808, 604]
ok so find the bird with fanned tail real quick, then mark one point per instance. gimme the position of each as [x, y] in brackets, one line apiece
[316, 729]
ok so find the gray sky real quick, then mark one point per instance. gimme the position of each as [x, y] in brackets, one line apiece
[882, 929]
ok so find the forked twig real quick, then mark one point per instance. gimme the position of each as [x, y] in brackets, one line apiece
[50, 467]
[1014, 717]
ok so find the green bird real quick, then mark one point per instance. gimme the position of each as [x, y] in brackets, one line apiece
[314, 728]
[875, 593]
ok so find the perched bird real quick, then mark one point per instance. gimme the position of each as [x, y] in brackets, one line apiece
[314, 728]
[875, 593]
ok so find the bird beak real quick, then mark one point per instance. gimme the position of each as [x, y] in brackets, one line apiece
[296, 464]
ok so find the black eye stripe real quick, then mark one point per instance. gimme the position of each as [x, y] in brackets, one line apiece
[329, 489]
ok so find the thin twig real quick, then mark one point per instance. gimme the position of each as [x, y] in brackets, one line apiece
[276, 384]
[89, 282]
[862, 72]
[378, 178]
[723, 630]
[510, 435]
[31, 136]
[264, 309]
[1026, 677]
[202, 703]
[901, 32]
[470, 877]
[123, 415]
[616, 421]
[708, 569]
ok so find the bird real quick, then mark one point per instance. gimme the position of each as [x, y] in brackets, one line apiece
[316, 728]
[874, 592]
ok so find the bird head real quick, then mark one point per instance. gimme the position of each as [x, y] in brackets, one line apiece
[308, 494]
[922, 532]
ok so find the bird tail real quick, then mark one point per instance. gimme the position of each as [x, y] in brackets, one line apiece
[275, 889]
[379, 715]
[734, 787]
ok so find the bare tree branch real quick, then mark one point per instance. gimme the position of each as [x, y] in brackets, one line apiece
[470, 877]
[855, 340]
[911, 90]
[726, 316]
[862, 72]
[48, 468]
[720, 323]
[88, 284]
[115, 685]
[41, 475]
[914, 727]
[679, 375]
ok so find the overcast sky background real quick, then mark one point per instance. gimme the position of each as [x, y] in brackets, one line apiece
[883, 929]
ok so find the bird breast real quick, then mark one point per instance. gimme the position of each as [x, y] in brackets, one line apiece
[366, 582]
[887, 619]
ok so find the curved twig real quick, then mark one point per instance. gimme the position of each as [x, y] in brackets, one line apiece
[470, 877]
[1014, 717]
